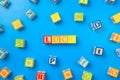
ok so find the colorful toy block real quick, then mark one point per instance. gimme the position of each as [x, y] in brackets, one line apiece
[34, 1]
[55, 17]
[30, 14]
[5, 72]
[67, 74]
[52, 60]
[29, 62]
[83, 2]
[40, 75]
[118, 52]
[83, 62]
[98, 51]
[61, 39]
[96, 25]
[110, 1]
[115, 37]
[17, 24]
[113, 72]
[87, 75]
[20, 77]
[116, 18]
[78, 16]
[20, 43]
[3, 53]
[1, 29]
[4, 3]
[55, 1]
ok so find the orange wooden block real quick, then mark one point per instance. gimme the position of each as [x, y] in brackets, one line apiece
[67, 74]
[55, 40]
[113, 72]
[115, 37]
[4, 73]
[63, 39]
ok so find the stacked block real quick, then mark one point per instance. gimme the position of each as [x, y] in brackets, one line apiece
[52, 60]
[113, 72]
[4, 3]
[110, 1]
[34, 1]
[87, 75]
[61, 39]
[98, 51]
[67, 74]
[30, 14]
[20, 43]
[83, 2]
[116, 18]
[5, 72]
[83, 62]
[41, 75]
[115, 37]
[55, 17]
[20, 77]
[118, 52]
[96, 25]
[1, 29]
[3, 53]
[29, 62]
[55, 1]
[78, 16]
[17, 24]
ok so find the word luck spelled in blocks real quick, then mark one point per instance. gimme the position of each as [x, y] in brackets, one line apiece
[5, 72]
[20, 77]
[17, 24]
[34, 1]
[3, 53]
[55, 1]
[78, 16]
[55, 17]
[63, 39]
[67, 74]
[110, 1]
[113, 72]
[41, 75]
[52, 60]
[4, 3]
[115, 37]
[30, 14]
[98, 51]
[96, 25]
[87, 75]
[20, 43]
[1, 29]
[29, 62]
[83, 2]
[116, 18]
[83, 62]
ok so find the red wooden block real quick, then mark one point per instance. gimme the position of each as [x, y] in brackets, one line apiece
[48, 39]
[40, 76]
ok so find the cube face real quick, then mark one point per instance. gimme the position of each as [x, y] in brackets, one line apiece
[4, 3]
[98, 51]
[34, 1]
[29, 62]
[67, 74]
[48, 39]
[55, 17]
[116, 18]
[52, 60]
[113, 72]
[87, 75]
[83, 62]
[55, 1]
[110, 1]
[118, 52]
[4, 73]
[1, 29]
[72, 39]
[17, 24]
[40, 75]
[55, 40]
[3, 53]
[96, 25]
[20, 43]
[78, 16]
[30, 14]
[83, 2]
[115, 37]
[20, 77]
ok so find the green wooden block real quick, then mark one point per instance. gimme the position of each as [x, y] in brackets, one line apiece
[78, 16]
[87, 75]
[83, 2]
[20, 77]
[20, 43]
[29, 62]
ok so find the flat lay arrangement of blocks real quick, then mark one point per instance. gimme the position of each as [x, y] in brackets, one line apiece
[59, 40]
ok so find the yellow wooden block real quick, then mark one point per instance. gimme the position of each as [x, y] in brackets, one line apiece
[55, 17]
[17, 24]
[116, 18]
[63, 39]
[67, 74]
[55, 40]
[72, 39]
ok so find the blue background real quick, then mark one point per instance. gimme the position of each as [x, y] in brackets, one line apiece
[67, 55]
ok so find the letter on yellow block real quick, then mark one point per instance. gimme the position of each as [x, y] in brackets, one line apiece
[72, 39]
[55, 40]
[17, 24]
[116, 18]
[55, 17]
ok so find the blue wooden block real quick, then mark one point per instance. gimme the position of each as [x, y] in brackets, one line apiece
[110, 1]
[55, 1]
[3, 53]
[4, 3]
[52, 60]
[34, 1]
[30, 14]
[1, 29]
[118, 52]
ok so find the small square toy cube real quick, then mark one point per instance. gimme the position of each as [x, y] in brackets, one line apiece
[29, 62]
[116, 18]
[17, 24]
[96, 25]
[1, 29]
[40, 75]
[3, 53]
[98, 50]
[83, 2]
[115, 37]
[67, 74]
[55, 17]
[83, 62]
[110, 1]
[87, 75]
[55, 1]
[34, 1]
[78, 16]
[52, 60]
[113, 72]
[118, 52]
[4, 3]
[20, 43]
[30, 14]
[20, 77]
[5, 72]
